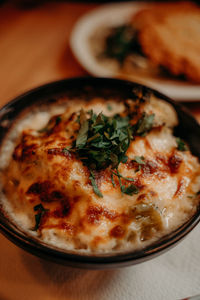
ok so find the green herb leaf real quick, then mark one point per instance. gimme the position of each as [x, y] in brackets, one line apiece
[66, 150]
[58, 120]
[130, 190]
[114, 159]
[144, 124]
[124, 159]
[102, 140]
[37, 221]
[38, 207]
[139, 160]
[82, 135]
[138, 168]
[38, 217]
[112, 179]
[121, 42]
[121, 176]
[94, 185]
[181, 145]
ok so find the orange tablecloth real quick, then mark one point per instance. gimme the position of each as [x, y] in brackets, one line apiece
[34, 46]
[34, 49]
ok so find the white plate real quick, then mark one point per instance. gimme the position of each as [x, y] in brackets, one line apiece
[111, 15]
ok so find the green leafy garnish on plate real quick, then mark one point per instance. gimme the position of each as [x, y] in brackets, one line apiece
[121, 42]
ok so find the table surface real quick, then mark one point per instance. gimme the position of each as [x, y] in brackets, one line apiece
[34, 48]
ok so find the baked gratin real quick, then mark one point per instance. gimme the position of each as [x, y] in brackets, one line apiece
[99, 176]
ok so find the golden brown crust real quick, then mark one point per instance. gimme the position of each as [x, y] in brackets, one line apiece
[156, 12]
[169, 36]
[45, 181]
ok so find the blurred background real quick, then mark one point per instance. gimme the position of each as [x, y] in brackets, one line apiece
[35, 48]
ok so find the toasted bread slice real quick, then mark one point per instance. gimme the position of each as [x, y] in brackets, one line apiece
[169, 35]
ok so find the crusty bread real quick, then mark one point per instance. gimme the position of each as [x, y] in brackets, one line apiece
[155, 12]
[169, 35]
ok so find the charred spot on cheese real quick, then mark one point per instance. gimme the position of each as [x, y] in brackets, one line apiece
[95, 213]
[149, 168]
[67, 227]
[97, 180]
[174, 162]
[141, 197]
[45, 191]
[24, 151]
[117, 232]
[180, 187]
[62, 211]
[59, 151]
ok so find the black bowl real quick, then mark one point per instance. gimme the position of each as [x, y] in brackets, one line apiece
[188, 129]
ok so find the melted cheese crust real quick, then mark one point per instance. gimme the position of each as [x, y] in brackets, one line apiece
[35, 170]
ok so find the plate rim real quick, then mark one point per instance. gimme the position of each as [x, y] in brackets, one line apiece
[80, 49]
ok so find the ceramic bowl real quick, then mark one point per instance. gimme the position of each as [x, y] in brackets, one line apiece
[187, 129]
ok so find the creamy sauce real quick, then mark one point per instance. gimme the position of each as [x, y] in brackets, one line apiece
[35, 170]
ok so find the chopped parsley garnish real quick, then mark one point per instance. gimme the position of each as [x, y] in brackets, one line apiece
[112, 180]
[82, 135]
[144, 125]
[65, 150]
[95, 187]
[181, 145]
[38, 217]
[121, 176]
[130, 189]
[140, 161]
[103, 141]
[58, 120]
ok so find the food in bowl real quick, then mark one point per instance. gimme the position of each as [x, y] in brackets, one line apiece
[99, 175]
[157, 42]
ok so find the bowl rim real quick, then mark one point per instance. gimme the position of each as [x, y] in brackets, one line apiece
[98, 261]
